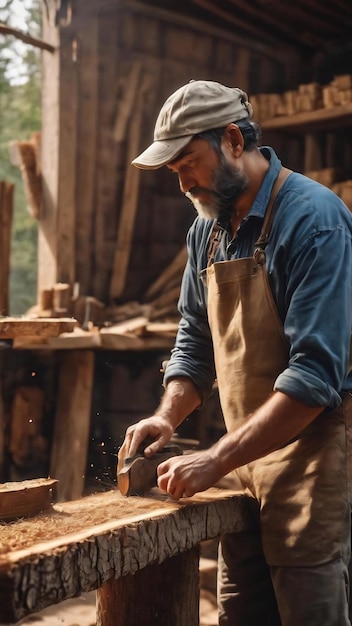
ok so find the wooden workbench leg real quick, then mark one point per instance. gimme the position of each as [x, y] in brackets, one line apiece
[72, 423]
[165, 594]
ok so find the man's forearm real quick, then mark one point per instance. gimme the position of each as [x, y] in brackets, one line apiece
[275, 423]
[181, 397]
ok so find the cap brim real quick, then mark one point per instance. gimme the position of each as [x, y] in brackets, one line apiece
[160, 153]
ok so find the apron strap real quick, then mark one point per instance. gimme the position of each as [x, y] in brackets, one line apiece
[263, 240]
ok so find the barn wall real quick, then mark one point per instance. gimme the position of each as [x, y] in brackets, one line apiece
[112, 228]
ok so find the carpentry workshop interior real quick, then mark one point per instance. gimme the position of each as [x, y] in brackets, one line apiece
[86, 360]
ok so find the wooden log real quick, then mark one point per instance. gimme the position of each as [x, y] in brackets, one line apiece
[72, 423]
[81, 545]
[117, 603]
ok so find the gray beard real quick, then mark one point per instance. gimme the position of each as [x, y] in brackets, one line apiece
[228, 185]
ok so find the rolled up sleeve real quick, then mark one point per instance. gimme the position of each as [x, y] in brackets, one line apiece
[318, 320]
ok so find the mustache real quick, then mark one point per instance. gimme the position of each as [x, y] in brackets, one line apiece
[195, 192]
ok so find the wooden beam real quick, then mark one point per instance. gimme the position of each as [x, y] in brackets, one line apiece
[72, 423]
[180, 19]
[130, 197]
[6, 215]
[81, 545]
[26, 38]
[47, 227]
[87, 124]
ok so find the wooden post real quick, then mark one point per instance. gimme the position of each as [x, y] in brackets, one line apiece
[165, 594]
[6, 213]
[72, 423]
[313, 152]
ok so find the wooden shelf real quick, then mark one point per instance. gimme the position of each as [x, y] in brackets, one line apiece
[321, 119]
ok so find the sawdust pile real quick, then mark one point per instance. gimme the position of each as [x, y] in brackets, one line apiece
[72, 518]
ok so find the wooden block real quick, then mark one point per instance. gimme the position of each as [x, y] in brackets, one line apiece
[11, 327]
[26, 498]
[343, 82]
[330, 96]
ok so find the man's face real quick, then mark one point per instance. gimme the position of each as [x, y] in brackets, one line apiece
[209, 179]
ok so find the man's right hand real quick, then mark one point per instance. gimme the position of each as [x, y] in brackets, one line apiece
[155, 428]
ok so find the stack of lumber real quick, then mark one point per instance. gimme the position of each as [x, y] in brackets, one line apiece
[339, 92]
[150, 323]
[308, 97]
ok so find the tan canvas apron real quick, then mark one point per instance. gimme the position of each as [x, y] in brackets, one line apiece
[302, 487]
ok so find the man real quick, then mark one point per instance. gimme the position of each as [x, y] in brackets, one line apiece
[266, 309]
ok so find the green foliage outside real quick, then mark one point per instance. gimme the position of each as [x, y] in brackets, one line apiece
[20, 95]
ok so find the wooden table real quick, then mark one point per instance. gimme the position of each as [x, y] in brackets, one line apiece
[141, 554]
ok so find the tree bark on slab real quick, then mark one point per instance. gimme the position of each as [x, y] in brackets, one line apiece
[81, 545]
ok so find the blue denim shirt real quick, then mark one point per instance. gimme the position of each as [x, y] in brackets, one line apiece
[309, 265]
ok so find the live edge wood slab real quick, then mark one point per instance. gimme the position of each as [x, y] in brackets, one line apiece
[141, 554]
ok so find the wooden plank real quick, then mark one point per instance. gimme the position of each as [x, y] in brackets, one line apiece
[130, 197]
[88, 87]
[67, 173]
[78, 339]
[47, 242]
[110, 160]
[320, 119]
[81, 545]
[3, 423]
[135, 325]
[72, 422]
[6, 215]
[11, 327]
[112, 341]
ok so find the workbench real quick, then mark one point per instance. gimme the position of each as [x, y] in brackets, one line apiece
[140, 554]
